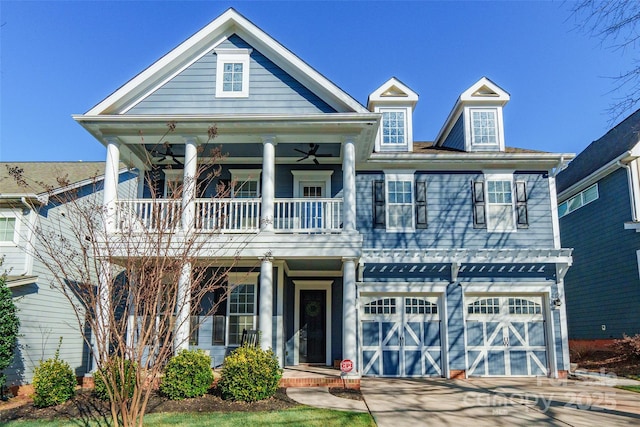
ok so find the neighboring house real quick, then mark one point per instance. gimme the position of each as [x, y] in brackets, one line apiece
[599, 209]
[45, 313]
[408, 258]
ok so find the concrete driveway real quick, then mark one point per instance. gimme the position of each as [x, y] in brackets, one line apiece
[499, 402]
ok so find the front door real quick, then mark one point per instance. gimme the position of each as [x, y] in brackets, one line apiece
[313, 332]
[312, 213]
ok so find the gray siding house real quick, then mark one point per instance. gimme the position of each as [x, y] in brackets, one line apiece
[408, 258]
[46, 315]
[599, 209]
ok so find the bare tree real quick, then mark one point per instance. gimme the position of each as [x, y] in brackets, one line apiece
[615, 23]
[135, 318]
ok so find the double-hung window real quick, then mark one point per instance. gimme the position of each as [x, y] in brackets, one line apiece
[7, 230]
[242, 310]
[499, 203]
[232, 73]
[399, 196]
[399, 203]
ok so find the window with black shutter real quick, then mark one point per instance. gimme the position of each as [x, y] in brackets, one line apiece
[479, 214]
[521, 204]
[421, 204]
[378, 204]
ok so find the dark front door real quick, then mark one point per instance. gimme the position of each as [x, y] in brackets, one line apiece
[313, 332]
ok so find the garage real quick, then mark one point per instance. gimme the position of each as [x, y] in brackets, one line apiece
[506, 336]
[401, 336]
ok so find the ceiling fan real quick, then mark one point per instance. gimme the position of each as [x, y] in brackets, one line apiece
[312, 154]
[166, 157]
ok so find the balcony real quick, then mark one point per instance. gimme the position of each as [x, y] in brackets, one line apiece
[291, 215]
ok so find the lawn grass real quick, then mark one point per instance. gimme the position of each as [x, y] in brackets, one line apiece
[634, 388]
[301, 416]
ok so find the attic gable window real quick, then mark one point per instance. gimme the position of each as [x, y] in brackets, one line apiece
[232, 73]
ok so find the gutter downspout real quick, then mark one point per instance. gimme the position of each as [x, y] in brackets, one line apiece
[634, 207]
[28, 261]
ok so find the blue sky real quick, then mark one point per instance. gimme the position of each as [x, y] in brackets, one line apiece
[62, 57]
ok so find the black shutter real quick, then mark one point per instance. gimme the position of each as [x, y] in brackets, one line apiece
[521, 204]
[421, 204]
[479, 215]
[378, 205]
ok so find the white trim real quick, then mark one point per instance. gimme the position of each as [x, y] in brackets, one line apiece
[504, 288]
[555, 220]
[323, 285]
[403, 94]
[18, 218]
[240, 176]
[407, 146]
[234, 56]
[317, 176]
[371, 288]
[280, 334]
[500, 177]
[399, 176]
[468, 131]
[172, 175]
[552, 357]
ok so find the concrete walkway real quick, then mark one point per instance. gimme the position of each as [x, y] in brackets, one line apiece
[321, 398]
[498, 402]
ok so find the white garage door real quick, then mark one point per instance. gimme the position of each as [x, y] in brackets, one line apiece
[401, 336]
[506, 336]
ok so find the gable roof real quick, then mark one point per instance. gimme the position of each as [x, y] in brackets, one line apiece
[393, 90]
[621, 139]
[229, 23]
[41, 176]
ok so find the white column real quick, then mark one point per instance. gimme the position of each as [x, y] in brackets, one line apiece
[349, 315]
[181, 335]
[349, 184]
[189, 182]
[110, 192]
[268, 182]
[265, 320]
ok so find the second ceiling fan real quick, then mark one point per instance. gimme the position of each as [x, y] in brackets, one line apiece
[312, 154]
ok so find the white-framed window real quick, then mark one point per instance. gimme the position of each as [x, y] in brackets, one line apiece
[173, 183]
[246, 183]
[484, 306]
[232, 73]
[8, 230]
[484, 126]
[399, 197]
[394, 127]
[500, 204]
[241, 306]
[584, 197]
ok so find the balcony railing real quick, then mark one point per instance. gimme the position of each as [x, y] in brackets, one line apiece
[231, 215]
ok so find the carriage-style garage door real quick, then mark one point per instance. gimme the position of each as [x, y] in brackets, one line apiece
[506, 336]
[401, 336]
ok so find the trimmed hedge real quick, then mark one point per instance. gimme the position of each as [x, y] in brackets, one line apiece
[188, 374]
[250, 374]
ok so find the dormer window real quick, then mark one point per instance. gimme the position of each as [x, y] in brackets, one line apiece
[484, 127]
[232, 73]
[394, 125]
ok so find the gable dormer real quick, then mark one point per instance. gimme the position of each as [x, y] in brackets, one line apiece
[396, 102]
[476, 121]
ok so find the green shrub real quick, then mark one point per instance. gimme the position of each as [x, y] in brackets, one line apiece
[9, 324]
[53, 381]
[188, 374]
[123, 372]
[250, 374]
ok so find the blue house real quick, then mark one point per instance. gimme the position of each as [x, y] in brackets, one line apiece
[408, 258]
[599, 209]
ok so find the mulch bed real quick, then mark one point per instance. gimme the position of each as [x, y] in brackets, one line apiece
[86, 406]
[608, 361]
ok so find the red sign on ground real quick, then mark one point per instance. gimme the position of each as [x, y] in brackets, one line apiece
[346, 366]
